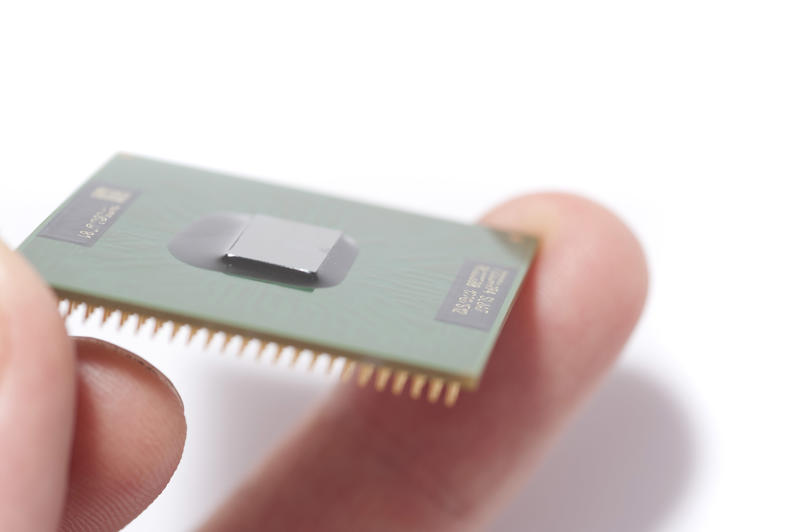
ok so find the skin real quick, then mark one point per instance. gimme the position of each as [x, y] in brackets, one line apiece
[92, 433]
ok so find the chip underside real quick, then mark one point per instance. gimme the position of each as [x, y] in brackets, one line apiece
[410, 302]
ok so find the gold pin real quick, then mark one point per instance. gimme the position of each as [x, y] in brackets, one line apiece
[209, 337]
[72, 306]
[88, 311]
[276, 353]
[247, 341]
[364, 374]
[451, 394]
[382, 378]
[123, 318]
[192, 333]
[348, 369]
[331, 360]
[276, 356]
[417, 383]
[295, 356]
[400, 379]
[139, 322]
[243, 346]
[175, 328]
[435, 390]
[106, 314]
[313, 362]
[260, 353]
[226, 340]
[158, 325]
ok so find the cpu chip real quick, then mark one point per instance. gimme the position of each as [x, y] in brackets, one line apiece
[407, 302]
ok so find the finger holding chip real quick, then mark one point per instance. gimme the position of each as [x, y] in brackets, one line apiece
[369, 461]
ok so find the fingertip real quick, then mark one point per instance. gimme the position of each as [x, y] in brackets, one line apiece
[589, 282]
[129, 439]
[100, 359]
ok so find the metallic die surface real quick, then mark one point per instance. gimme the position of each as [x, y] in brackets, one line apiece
[284, 243]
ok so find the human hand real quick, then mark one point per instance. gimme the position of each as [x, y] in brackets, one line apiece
[91, 433]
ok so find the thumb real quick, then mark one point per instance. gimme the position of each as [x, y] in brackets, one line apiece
[37, 399]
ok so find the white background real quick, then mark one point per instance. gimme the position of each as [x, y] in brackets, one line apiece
[682, 116]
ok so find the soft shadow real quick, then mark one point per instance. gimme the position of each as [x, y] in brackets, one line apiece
[622, 465]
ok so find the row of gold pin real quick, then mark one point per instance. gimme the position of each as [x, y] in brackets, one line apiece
[364, 371]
